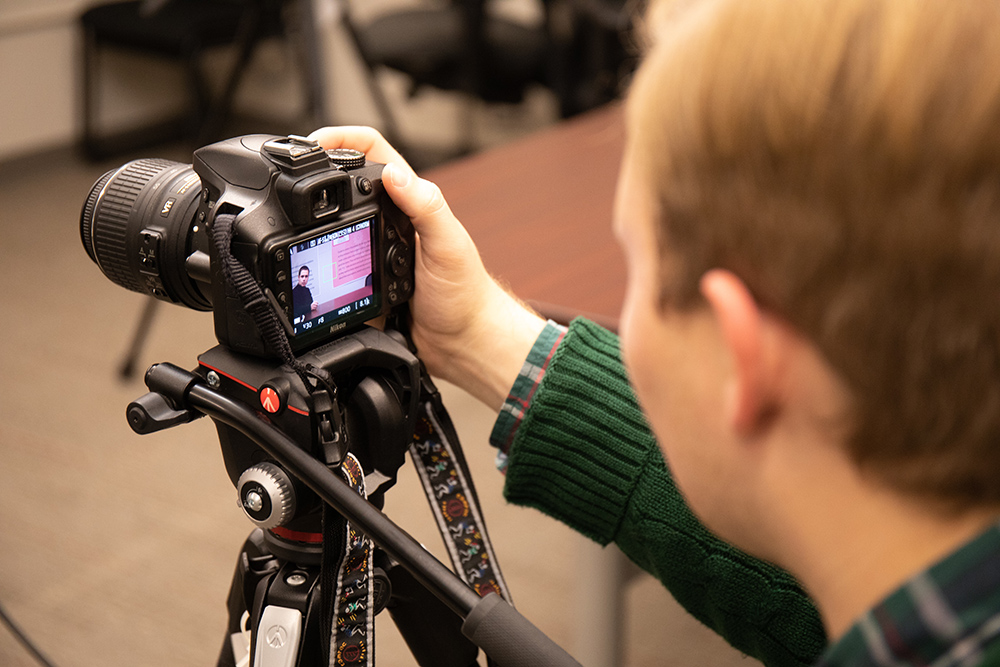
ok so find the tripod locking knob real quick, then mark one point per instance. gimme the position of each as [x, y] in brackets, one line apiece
[266, 495]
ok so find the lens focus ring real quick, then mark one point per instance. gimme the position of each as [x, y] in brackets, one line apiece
[87, 216]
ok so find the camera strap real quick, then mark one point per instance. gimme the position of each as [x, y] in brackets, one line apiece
[324, 407]
[444, 474]
[350, 615]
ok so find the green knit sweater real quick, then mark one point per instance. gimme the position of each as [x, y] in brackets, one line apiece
[584, 455]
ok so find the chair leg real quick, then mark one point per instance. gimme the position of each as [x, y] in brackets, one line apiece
[218, 110]
[468, 125]
[142, 327]
[88, 95]
[311, 62]
[389, 125]
[201, 100]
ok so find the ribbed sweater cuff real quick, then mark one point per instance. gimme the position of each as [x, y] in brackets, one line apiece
[583, 441]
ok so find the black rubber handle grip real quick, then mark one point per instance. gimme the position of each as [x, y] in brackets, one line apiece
[510, 639]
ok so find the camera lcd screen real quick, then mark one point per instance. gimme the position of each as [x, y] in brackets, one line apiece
[332, 276]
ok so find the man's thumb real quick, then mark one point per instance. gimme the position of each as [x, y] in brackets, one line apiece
[419, 199]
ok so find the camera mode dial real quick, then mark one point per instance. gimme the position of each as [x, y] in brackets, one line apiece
[346, 157]
[266, 495]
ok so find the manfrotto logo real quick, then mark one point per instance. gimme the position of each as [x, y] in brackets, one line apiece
[276, 636]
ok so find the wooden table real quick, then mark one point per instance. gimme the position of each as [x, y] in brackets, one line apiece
[539, 209]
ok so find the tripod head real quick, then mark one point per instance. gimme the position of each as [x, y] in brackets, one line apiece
[378, 385]
[489, 622]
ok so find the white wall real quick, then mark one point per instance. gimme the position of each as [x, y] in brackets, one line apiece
[40, 72]
[37, 56]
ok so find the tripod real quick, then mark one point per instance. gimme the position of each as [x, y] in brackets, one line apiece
[293, 587]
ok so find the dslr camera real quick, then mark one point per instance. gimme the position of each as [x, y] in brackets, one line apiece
[314, 228]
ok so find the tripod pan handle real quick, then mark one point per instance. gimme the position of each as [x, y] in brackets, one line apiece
[510, 639]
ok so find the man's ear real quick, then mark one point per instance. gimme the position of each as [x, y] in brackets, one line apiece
[746, 333]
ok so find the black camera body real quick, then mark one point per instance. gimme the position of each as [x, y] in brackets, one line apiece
[314, 228]
[303, 212]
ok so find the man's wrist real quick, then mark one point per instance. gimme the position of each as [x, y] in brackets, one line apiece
[512, 336]
[488, 357]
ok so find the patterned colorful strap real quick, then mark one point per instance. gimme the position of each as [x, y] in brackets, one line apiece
[441, 467]
[439, 461]
[352, 638]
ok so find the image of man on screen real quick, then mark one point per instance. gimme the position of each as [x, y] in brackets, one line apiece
[302, 299]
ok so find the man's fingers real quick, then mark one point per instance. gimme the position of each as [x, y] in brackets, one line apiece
[368, 140]
[420, 200]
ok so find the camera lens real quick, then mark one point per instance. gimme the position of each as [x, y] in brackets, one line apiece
[139, 226]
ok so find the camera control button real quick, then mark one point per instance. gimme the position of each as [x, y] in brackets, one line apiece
[149, 251]
[365, 186]
[399, 260]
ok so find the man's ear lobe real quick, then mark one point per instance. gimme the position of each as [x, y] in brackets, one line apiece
[743, 328]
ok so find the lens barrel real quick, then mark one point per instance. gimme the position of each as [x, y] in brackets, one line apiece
[138, 225]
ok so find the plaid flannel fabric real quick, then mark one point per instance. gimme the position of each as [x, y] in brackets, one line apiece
[946, 615]
[524, 388]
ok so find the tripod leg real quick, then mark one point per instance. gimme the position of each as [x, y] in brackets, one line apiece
[139, 338]
[280, 601]
[431, 630]
[255, 564]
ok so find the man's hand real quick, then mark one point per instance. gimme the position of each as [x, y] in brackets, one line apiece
[467, 329]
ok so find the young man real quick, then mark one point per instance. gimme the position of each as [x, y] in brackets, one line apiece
[302, 299]
[810, 209]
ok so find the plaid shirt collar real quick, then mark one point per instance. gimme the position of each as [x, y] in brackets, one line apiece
[946, 615]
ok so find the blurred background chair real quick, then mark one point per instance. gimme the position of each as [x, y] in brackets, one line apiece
[596, 52]
[577, 49]
[451, 45]
[182, 32]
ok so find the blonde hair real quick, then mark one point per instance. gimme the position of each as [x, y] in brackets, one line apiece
[843, 158]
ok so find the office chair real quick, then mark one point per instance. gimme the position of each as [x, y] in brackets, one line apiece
[180, 31]
[457, 46]
[596, 53]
